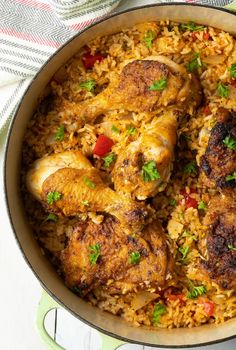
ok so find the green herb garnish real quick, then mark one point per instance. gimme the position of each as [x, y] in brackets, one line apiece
[88, 85]
[85, 203]
[131, 130]
[195, 63]
[109, 159]
[196, 291]
[173, 202]
[53, 197]
[190, 168]
[223, 90]
[95, 253]
[51, 217]
[202, 205]
[158, 311]
[60, 133]
[232, 70]
[158, 85]
[88, 182]
[134, 258]
[230, 142]
[115, 129]
[76, 290]
[231, 247]
[148, 38]
[231, 177]
[149, 172]
[186, 233]
[192, 27]
[184, 252]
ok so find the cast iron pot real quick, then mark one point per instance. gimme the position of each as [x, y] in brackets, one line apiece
[105, 322]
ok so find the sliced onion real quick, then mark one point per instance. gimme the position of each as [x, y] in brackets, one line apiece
[214, 59]
[142, 298]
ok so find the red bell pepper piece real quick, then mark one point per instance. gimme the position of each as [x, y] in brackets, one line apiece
[89, 60]
[206, 36]
[233, 83]
[206, 110]
[176, 297]
[189, 201]
[209, 308]
[193, 35]
[103, 146]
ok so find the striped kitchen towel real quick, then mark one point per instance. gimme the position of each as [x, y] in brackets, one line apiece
[31, 30]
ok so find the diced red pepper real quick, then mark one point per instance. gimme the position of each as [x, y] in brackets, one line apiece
[206, 36]
[89, 60]
[193, 35]
[206, 110]
[233, 83]
[103, 146]
[209, 307]
[189, 201]
[176, 297]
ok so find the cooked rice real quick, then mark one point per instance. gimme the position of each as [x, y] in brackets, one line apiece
[39, 141]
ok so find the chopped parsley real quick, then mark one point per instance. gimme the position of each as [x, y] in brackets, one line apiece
[232, 70]
[192, 27]
[148, 38]
[184, 252]
[60, 133]
[158, 311]
[149, 172]
[195, 63]
[85, 203]
[202, 205]
[76, 290]
[230, 142]
[196, 291]
[53, 197]
[131, 130]
[186, 233]
[115, 129]
[134, 258]
[95, 253]
[109, 159]
[173, 202]
[223, 90]
[51, 217]
[190, 168]
[231, 247]
[88, 85]
[231, 177]
[88, 182]
[158, 85]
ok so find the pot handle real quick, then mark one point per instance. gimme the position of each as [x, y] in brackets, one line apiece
[47, 304]
[231, 6]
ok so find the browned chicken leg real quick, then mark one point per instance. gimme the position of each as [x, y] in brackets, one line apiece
[101, 254]
[70, 185]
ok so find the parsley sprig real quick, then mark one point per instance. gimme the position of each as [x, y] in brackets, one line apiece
[131, 130]
[232, 70]
[158, 85]
[88, 85]
[149, 172]
[184, 252]
[202, 205]
[223, 90]
[134, 258]
[195, 63]
[231, 177]
[115, 129]
[190, 168]
[53, 197]
[230, 142]
[88, 182]
[109, 159]
[158, 311]
[60, 133]
[196, 291]
[95, 253]
[231, 247]
[192, 27]
[51, 217]
[148, 38]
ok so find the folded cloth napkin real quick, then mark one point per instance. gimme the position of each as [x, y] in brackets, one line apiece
[31, 30]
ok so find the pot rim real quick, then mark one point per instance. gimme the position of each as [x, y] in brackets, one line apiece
[9, 132]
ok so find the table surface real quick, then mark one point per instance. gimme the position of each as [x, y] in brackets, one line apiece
[21, 292]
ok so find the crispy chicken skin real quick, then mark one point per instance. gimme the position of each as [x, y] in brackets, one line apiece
[219, 161]
[157, 145]
[81, 190]
[113, 266]
[221, 240]
[131, 89]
